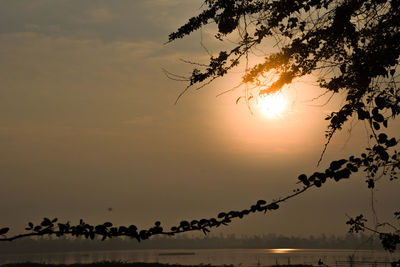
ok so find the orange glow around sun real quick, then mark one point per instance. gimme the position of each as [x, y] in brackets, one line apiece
[272, 105]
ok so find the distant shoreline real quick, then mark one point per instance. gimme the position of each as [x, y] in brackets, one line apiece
[182, 251]
[210, 242]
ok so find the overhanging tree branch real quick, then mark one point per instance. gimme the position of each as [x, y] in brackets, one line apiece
[338, 170]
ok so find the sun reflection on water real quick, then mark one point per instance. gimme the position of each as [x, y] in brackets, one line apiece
[282, 250]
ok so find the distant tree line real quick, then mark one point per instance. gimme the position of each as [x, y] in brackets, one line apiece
[184, 242]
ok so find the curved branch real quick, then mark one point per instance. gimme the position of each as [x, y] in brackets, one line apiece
[338, 170]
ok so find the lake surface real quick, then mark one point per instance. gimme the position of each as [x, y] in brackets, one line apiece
[237, 257]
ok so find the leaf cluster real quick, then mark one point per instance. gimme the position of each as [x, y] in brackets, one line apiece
[355, 42]
[389, 240]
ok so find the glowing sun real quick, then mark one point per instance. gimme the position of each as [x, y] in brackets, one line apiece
[272, 105]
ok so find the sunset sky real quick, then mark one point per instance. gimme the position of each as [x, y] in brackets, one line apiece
[88, 122]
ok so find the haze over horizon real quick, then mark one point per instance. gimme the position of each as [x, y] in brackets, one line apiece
[89, 129]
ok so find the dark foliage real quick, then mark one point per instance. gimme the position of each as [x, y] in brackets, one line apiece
[357, 42]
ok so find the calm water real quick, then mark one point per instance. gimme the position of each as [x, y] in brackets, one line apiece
[237, 257]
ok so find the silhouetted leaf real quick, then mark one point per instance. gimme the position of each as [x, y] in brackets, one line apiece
[337, 164]
[302, 177]
[184, 224]
[380, 102]
[261, 202]
[237, 100]
[342, 174]
[378, 118]
[351, 167]
[45, 222]
[304, 180]
[384, 156]
[221, 215]
[371, 183]
[382, 138]
[391, 142]
[376, 125]
[205, 231]
[362, 114]
[4, 230]
[343, 68]
[273, 206]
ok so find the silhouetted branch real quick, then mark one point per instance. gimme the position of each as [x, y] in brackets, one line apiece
[376, 159]
[389, 240]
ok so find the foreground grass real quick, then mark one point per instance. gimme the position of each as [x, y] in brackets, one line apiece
[104, 264]
[124, 264]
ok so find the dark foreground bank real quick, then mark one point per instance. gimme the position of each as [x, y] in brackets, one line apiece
[123, 264]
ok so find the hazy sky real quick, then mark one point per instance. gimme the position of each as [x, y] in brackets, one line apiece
[88, 122]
